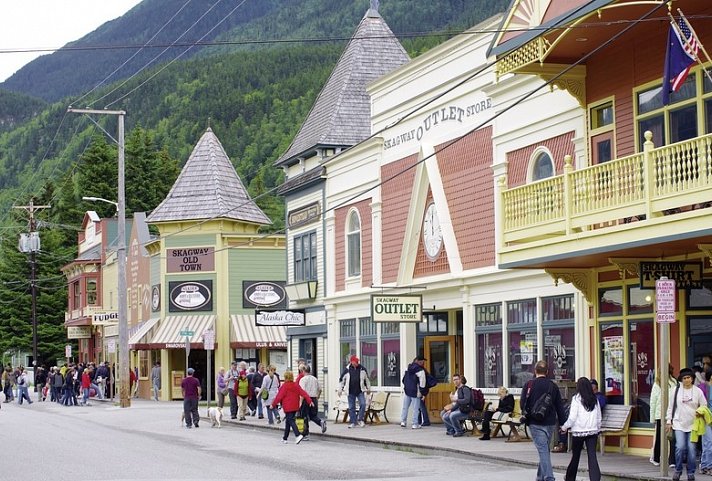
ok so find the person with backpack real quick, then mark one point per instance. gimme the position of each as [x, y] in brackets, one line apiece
[541, 402]
[22, 385]
[413, 385]
[430, 382]
[584, 422]
[459, 409]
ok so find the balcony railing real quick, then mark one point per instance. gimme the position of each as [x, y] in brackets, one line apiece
[642, 186]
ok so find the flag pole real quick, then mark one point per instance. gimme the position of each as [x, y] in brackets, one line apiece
[692, 30]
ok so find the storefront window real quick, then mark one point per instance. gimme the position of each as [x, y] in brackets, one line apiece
[347, 342]
[433, 323]
[521, 312]
[488, 315]
[642, 361]
[489, 359]
[369, 349]
[390, 353]
[91, 292]
[640, 301]
[522, 353]
[560, 353]
[612, 348]
[610, 301]
[700, 298]
[144, 369]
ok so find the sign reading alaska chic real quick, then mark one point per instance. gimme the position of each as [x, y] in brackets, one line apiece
[263, 294]
[280, 318]
[190, 259]
[687, 274]
[457, 113]
[190, 296]
[396, 308]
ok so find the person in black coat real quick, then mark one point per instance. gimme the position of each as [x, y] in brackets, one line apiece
[506, 405]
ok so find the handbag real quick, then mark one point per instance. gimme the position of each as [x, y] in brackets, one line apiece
[264, 393]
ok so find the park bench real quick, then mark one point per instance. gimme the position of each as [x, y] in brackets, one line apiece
[377, 407]
[513, 422]
[615, 421]
[473, 421]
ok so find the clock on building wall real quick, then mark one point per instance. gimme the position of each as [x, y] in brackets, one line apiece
[432, 233]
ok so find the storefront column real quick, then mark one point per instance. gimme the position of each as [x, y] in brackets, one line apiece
[166, 368]
[222, 354]
[469, 354]
[584, 341]
[408, 343]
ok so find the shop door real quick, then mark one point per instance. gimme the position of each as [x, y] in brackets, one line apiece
[440, 354]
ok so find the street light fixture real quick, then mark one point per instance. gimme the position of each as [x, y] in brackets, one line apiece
[99, 199]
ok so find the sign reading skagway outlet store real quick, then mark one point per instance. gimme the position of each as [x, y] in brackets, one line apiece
[686, 274]
[402, 308]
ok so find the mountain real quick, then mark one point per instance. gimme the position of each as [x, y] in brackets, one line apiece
[17, 108]
[80, 65]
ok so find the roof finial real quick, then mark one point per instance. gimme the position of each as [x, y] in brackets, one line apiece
[208, 123]
[374, 5]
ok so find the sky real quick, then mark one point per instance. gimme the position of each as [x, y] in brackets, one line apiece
[28, 24]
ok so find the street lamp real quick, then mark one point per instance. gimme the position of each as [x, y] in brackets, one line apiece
[99, 199]
[123, 371]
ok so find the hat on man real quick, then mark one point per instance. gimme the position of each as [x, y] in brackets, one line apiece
[354, 359]
[687, 372]
[190, 371]
[420, 358]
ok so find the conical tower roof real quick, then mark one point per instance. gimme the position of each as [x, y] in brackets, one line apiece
[208, 187]
[341, 114]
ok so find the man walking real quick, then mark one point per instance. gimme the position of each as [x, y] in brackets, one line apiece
[354, 379]
[541, 401]
[309, 412]
[413, 385]
[156, 379]
[191, 395]
[232, 376]
[257, 387]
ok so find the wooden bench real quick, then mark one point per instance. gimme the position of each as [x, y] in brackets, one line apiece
[513, 422]
[377, 407]
[615, 421]
[470, 423]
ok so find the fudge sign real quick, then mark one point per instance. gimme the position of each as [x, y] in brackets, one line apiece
[190, 259]
[191, 296]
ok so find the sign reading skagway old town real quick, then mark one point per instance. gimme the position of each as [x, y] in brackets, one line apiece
[280, 318]
[686, 274]
[396, 308]
[257, 294]
[190, 259]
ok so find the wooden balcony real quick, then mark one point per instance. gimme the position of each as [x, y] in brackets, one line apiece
[659, 197]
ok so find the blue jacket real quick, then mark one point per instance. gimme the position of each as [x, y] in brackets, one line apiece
[413, 379]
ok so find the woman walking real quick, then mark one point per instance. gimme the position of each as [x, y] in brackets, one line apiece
[585, 423]
[685, 399]
[270, 387]
[221, 387]
[22, 391]
[289, 395]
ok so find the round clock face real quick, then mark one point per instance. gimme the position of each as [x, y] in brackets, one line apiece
[432, 234]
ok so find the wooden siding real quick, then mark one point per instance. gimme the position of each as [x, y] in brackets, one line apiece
[423, 266]
[340, 219]
[252, 265]
[396, 194]
[518, 160]
[466, 173]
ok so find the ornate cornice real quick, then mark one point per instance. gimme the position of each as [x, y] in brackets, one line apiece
[707, 250]
[573, 81]
[581, 279]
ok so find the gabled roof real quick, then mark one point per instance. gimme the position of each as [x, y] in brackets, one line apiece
[341, 114]
[208, 187]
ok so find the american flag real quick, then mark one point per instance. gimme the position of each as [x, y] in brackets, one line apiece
[680, 56]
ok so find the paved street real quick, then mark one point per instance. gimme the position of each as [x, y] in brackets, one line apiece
[147, 442]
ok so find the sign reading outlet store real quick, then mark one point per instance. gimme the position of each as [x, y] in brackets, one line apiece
[190, 296]
[396, 308]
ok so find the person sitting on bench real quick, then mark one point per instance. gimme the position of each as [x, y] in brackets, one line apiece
[506, 405]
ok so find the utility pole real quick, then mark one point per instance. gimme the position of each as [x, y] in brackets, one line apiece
[30, 243]
[123, 371]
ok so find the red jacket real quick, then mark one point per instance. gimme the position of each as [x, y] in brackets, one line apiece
[86, 380]
[288, 395]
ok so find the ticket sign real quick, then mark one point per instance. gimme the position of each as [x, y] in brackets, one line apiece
[665, 300]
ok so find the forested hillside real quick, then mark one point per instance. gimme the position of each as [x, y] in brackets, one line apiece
[70, 72]
[17, 108]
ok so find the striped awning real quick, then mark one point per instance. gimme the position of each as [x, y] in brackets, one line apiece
[139, 334]
[245, 334]
[168, 334]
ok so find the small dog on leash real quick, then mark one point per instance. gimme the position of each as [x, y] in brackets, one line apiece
[216, 415]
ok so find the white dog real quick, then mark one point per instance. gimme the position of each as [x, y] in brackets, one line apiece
[215, 415]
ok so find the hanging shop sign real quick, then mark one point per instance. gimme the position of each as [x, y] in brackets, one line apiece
[686, 274]
[280, 318]
[256, 294]
[190, 296]
[79, 332]
[396, 308]
[156, 298]
[190, 259]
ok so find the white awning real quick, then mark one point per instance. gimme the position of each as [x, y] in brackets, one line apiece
[139, 334]
[168, 335]
[245, 334]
